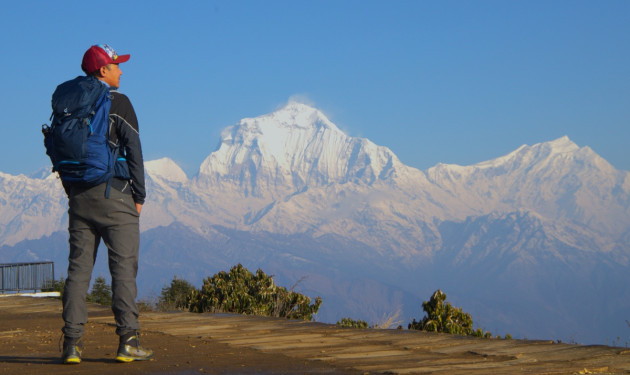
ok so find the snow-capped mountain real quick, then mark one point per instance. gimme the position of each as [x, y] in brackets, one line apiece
[291, 193]
[293, 171]
[292, 149]
[556, 179]
[30, 208]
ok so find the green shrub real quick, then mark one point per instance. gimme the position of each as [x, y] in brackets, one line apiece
[176, 296]
[101, 292]
[145, 305]
[56, 286]
[351, 323]
[241, 291]
[442, 317]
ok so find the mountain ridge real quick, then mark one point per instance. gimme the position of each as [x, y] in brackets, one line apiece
[294, 147]
[284, 179]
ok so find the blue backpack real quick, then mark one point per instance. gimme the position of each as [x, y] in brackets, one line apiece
[77, 140]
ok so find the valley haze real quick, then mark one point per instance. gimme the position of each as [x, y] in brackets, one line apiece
[535, 243]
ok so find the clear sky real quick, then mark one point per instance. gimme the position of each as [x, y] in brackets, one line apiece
[435, 81]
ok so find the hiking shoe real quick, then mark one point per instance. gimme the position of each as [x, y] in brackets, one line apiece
[129, 349]
[72, 348]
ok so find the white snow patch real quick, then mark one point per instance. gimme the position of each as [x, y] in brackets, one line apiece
[166, 169]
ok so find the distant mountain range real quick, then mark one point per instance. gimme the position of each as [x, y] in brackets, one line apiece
[535, 243]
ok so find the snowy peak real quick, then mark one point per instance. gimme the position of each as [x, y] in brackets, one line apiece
[561, 145]
[295, 114]
[165, 169]
[560, 155]
[561, 150]
[528, 155]
[557, 179]
[296, 146]
[557, 158]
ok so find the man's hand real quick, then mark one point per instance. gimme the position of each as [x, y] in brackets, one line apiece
[138, 208]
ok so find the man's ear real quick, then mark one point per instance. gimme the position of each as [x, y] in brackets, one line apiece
[102, 71]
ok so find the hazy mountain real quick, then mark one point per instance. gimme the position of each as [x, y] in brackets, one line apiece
[535, 243]
[30, 208]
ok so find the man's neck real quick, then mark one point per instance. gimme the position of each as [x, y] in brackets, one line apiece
[100, 79]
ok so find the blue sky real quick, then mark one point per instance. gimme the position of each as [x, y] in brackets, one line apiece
[435, 81]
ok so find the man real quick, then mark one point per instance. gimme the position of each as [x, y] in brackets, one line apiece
[109, 211]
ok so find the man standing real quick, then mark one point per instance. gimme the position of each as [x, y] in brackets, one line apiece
[109, 211]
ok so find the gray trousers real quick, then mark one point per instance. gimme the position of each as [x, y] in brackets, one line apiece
[115, 220]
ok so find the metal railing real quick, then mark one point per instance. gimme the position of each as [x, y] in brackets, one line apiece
[16, 277]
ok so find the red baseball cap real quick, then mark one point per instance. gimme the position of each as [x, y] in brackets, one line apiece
[100, 55]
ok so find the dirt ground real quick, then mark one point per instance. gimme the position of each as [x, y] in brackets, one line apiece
[189, 343]
[30, 345]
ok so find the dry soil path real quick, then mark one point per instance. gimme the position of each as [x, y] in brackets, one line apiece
[188, 343]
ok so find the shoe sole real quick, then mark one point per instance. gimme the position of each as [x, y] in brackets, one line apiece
[126, 359]
[72, 361]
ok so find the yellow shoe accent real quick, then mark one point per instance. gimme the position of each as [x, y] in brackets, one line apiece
[124, 359]
[72, 360]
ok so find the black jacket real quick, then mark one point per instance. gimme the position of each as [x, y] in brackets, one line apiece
[124, 131]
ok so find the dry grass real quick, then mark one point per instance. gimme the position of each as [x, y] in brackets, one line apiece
[389, 321]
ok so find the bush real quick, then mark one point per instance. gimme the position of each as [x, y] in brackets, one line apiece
[176, 296]
[442, 317]
[57, 286]
[145, 305]
[240, 291]
[101, 292]
[351, 323]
